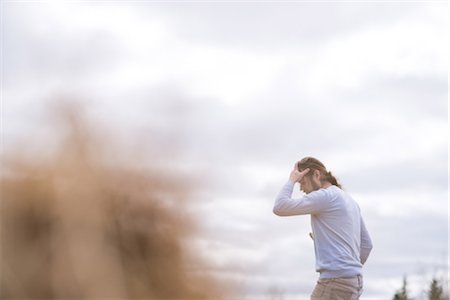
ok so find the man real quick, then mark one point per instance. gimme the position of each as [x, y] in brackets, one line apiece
[341, 241]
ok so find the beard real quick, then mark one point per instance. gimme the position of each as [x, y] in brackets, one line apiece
[315, 186]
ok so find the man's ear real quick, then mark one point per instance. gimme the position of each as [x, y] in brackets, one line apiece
[317, 174]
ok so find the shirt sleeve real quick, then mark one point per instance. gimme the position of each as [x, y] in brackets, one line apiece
[312, 203]
[366, 243]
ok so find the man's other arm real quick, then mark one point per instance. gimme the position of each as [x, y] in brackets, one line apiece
[366, 243]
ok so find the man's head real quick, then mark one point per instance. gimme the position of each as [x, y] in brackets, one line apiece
[317, 177]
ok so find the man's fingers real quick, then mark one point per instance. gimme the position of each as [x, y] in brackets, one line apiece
[305, 171]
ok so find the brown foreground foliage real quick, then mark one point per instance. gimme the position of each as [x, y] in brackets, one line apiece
[74, 226]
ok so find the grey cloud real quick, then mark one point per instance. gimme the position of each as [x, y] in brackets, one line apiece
[32, 53]
[410, 245]
[264, 26]
[276, 130]
[415, 238]
[266, 130]
[421, 172]
[280, 264]
[411, 97]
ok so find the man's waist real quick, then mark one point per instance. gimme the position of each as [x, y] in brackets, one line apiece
[347, 273]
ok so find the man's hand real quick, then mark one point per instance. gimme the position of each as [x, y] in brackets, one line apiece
[296, 175]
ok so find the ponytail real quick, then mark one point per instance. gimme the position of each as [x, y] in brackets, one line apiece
[331, 179]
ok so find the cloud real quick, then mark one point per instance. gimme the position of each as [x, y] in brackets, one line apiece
[62, 47]
[270, 26]
[414, 174]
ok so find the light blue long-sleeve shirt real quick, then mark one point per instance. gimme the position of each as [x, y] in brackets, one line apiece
[341, 241]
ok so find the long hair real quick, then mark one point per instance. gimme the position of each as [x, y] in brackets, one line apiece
[315, 164]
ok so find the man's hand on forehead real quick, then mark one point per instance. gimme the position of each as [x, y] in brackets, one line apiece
[297, 175]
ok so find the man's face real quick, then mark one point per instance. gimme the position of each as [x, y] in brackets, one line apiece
[310, 182]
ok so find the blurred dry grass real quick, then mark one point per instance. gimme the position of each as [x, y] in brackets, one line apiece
[74, 226]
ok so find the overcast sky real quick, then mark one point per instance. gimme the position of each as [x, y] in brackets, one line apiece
[241, 90]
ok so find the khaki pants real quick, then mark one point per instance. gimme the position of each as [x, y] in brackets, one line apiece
[338, 289]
